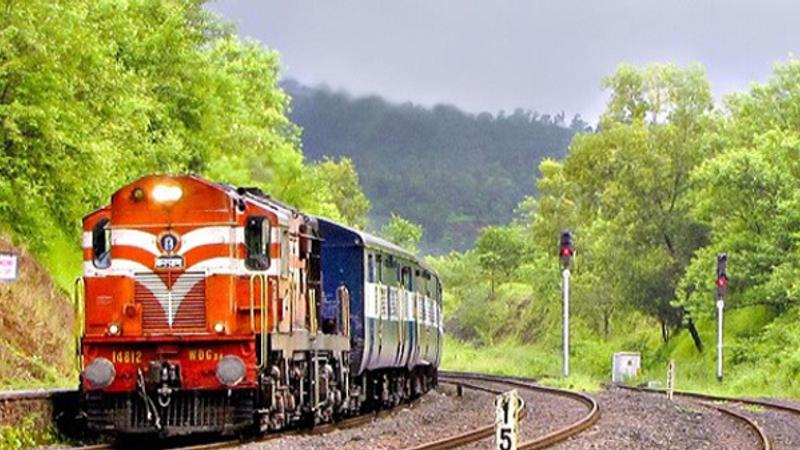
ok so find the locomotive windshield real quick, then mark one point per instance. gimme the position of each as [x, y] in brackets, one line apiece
[101, 244]
[257, 240]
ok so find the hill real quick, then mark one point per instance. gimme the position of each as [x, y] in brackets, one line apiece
[36, 344]
[451, 171]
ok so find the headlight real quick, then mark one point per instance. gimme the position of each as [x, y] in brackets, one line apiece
[164, 193]
[230, 370]
[219, 328]
[114, 329]
[100, 373]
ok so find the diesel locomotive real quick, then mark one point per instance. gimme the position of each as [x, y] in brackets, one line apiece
[210, 308]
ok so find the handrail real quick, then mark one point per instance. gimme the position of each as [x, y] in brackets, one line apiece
[401, 294]
[312, 310]
[78, 297]
[271, 283]
[264, 322]
[345, 305]
[252, 283]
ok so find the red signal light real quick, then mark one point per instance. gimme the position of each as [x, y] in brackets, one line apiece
[722, 282]
[566, 251]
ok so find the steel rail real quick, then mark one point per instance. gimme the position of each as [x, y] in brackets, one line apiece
[764, 441]
[468, 437]
[33, 394]
[553, 437]
[721, 398]
[343, 424]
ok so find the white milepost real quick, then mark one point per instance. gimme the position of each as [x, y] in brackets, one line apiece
[670, 379]
[565, 332]
[508, 408]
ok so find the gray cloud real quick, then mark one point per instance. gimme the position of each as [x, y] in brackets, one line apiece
[492, 55]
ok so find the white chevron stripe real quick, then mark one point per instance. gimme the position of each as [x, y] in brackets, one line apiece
[191, 240]
[221, 266]
[170, 299]
[135, 238]
[87, 240]
[119, 267]
[208, 236]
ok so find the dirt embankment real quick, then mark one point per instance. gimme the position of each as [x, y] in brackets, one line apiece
[36, 326]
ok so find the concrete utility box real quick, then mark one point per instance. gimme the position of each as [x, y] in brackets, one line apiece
[625, 366]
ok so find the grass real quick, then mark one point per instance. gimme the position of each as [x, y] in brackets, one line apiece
[36, 341]
[63, 262]
[27, 434]
[755, 409]
[761, 356]
[748, 368]
[514, 359]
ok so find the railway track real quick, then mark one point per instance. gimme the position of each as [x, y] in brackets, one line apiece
[468, 380]
[712, 401]
[60, 401]
[487, 383]
[351, 422]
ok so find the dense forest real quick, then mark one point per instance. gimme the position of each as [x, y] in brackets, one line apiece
[450, 171]
[666, 182]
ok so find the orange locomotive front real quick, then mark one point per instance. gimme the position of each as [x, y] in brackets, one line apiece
[181, 277]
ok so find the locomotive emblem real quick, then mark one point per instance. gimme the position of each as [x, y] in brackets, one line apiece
[168, 243]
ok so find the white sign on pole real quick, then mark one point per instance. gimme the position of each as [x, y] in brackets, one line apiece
[508, 407]
[9, 267]
[670, 379]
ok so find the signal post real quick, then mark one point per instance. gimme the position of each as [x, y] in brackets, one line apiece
[722, 288]
[565, 251]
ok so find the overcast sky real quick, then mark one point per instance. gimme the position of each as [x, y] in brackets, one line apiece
[490, 55]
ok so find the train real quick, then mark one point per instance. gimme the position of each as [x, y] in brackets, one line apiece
[210, 308]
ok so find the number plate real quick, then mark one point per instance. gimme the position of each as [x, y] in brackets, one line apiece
[169, 262]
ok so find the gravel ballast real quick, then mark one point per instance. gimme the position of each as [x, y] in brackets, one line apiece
[635, 420]
[628, 420]
[435, 416]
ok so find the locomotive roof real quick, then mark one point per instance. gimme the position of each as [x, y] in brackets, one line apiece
[251, 194]
[375, 242]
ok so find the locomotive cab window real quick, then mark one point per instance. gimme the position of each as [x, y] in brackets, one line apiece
[101, 244]
[257, 241]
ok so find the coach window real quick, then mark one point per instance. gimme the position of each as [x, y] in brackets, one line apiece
[408, 281]
[101, 244]
[378, 268]
[257, 240]
[371, 268]
[389, 271]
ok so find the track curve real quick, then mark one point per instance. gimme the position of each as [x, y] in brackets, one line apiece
[547, 440]
[764, 443]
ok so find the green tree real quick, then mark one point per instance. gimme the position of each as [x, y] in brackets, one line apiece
[499, 251]
[403, 232]
[748, 196]
[341, 180]
[633, 175]
[96, 94]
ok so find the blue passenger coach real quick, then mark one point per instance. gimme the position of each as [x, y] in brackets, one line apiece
[395, 309]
